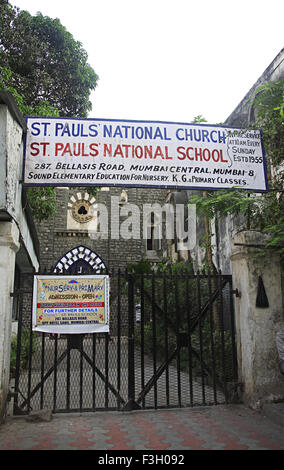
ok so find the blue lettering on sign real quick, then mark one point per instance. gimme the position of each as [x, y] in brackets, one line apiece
[133, 132]
[201, 135]
[36, 128]
[75, 129]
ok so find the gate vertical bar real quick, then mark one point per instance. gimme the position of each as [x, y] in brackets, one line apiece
[166, 337]
[189, 342]
[118, 336]
[154, 330]
[233, 333]
[94, 336]
[81, 372]
[211, 321]
[142, 323]
[200, 336]
[30, 363]
[106, 368]
[68, 376]
[131, 364]
[18, 355]
[177, 309]
[55, 371]
[42, 367]
[221, 326]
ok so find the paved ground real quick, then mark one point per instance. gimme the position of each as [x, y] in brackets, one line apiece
[222, 427]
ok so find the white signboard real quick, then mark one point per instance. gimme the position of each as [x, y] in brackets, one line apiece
[100, 152]
[77, 304]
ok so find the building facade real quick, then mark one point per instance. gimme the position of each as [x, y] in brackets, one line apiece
[104, 231]
[223, 230]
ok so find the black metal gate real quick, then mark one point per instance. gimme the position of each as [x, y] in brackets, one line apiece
[171, 344]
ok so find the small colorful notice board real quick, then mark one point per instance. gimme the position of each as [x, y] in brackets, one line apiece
[71, 304]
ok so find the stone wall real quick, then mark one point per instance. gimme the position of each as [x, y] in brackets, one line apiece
[57, 237]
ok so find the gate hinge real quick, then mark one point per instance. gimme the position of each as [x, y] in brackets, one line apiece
[131, 405]
[11, 395]
[236, 292]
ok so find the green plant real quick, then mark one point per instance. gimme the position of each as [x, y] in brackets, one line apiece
[42, 202]
[214, 345]
[27, 342]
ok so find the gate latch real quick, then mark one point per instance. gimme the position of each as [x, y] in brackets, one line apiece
[11, 395]
[236, 292]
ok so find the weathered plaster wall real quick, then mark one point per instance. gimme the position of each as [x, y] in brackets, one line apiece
[9, 245]
[15, 235]
[256, 327]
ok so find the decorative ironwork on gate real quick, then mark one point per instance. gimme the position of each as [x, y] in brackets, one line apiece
[171, 344]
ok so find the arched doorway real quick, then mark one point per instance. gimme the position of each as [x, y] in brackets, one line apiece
[80, 260]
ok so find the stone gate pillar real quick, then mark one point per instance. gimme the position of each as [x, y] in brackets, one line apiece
[17, 230]
[9, 245]
[259, 315]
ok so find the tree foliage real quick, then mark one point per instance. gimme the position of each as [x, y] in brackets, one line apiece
[42, 63]
[263, 212]
[268, 104]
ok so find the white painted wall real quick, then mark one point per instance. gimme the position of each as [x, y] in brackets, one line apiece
[14, 232]
[256, 327]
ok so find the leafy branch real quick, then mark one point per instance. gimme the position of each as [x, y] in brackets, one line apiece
[46, 71]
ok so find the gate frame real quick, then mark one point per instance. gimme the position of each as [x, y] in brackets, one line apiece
[134, 400]
[183, 338]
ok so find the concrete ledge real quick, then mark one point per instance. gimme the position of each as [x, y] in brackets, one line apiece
[44, 415]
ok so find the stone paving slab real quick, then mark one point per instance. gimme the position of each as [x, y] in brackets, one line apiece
[222, 427]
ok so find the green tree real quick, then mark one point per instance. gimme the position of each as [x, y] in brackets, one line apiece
[198, 119]
[47, 72]
[42, 63]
